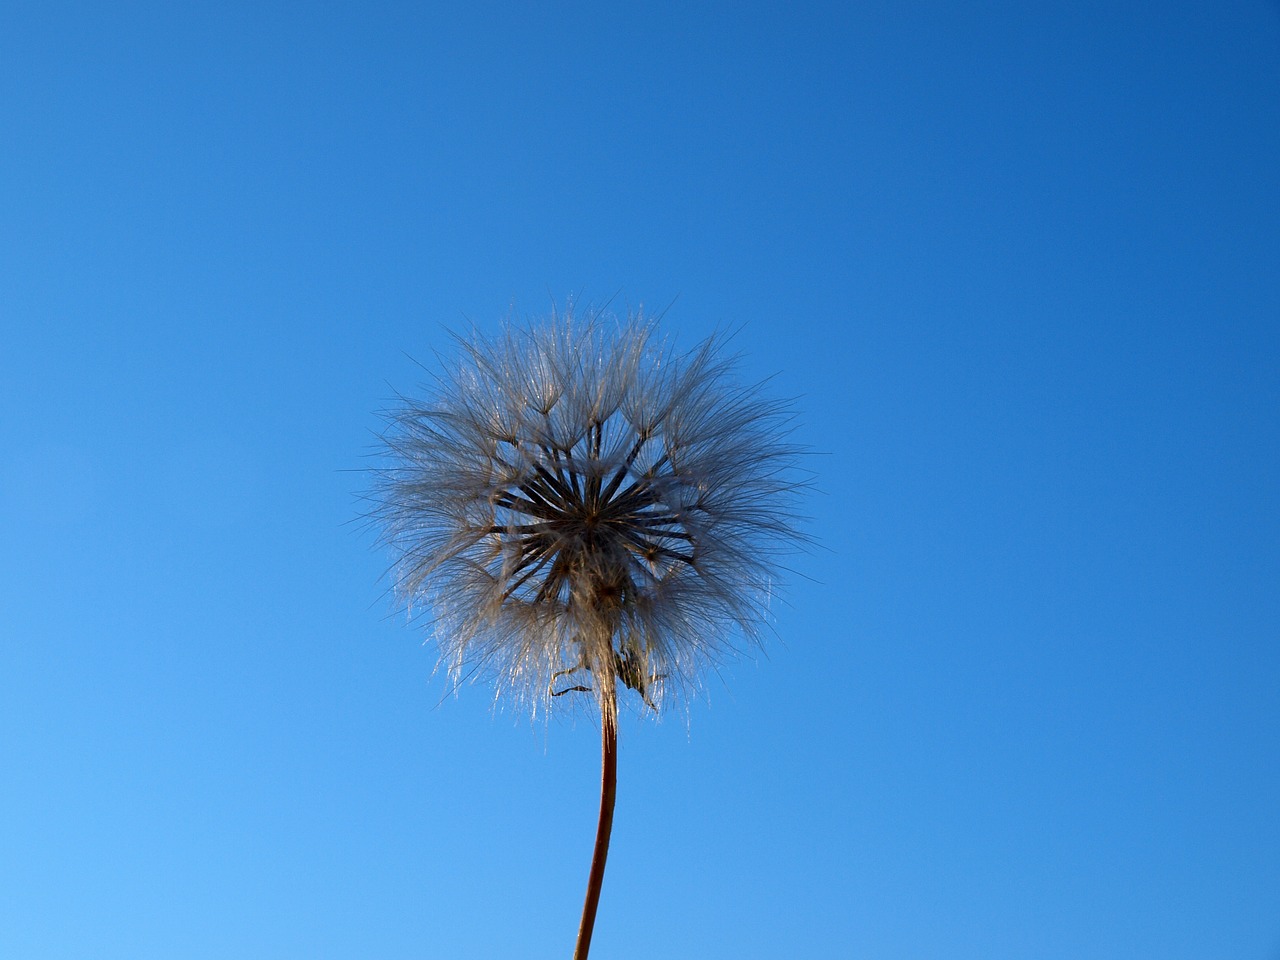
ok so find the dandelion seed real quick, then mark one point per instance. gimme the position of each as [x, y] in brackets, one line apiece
[579, 506]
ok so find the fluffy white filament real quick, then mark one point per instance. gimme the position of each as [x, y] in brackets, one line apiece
[575, 503]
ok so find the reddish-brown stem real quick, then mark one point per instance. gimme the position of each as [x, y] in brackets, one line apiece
[608, 791]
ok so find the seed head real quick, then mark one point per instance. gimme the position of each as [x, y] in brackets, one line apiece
[578, 504]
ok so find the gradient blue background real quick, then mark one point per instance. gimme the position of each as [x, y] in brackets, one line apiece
[1020, 263]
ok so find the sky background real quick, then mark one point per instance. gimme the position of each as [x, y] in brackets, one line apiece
[1018, 263]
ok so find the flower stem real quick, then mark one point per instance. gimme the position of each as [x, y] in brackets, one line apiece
[608, 791]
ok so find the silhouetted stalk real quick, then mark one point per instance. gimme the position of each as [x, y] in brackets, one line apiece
[604, 827]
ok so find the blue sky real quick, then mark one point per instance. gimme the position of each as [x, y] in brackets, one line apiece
[1020, 265]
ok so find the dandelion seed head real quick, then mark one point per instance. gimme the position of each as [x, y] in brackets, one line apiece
[575, 501]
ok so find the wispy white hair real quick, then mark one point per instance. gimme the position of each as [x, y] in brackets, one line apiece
[575, 499]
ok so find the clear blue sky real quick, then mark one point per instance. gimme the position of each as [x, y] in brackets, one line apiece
[1020, 263]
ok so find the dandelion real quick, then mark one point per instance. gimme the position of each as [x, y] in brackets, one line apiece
[582, 508]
